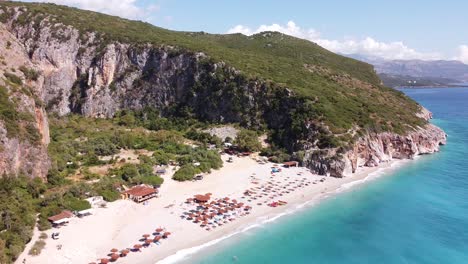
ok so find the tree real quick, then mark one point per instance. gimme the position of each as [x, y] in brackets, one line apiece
[36, 187]
[3, 253]
[247, 140]
[185, 173]
[128, 171]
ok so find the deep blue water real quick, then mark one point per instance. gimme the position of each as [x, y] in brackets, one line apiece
[416, 214]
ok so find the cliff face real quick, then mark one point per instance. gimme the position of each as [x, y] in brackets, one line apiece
[78, 74]
[24, 128]
[372, 149]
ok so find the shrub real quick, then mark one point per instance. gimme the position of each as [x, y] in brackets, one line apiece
[109, 195]
[76, 204]
[37, 248]
[185, 173]
[43, 224]
[247, 140]
[152, 180]
[30, 74]
[13, 78]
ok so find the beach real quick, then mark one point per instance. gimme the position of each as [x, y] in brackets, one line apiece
[122, 223]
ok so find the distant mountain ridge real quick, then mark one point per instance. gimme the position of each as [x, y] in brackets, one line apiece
[437, 72]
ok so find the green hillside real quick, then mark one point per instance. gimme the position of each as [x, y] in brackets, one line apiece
[345, 92]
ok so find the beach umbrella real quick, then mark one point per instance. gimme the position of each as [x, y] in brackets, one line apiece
[146, 235]
[114, 256]
[114, 250]
[148, 241]
[92, 263]
[159, 229]
[156, 238]
[208, 194]
[104, 261]
[125, 252]
[137, 246]
[166, 234]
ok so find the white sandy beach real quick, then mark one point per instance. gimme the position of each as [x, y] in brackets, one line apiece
[123, 222]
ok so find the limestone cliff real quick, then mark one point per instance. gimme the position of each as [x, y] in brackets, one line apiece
[24, 129]
[372, 149]
[79, 73]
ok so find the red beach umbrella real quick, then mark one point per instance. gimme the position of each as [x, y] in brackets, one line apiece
[104, 261]
[146, 235]
[166, 234]
[137, 246]
[125, 252]
[114, 250]
[156, 238]
[148, 241]
[114, 256]
[159, 229]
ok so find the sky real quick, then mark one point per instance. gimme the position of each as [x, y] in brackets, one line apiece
[391, 29]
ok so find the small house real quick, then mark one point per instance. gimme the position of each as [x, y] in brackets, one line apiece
[140, 193]
[61, 219]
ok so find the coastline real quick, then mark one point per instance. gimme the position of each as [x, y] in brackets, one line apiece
[123, 222]
[366, 174]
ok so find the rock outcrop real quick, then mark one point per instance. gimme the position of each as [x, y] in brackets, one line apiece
[373, 149]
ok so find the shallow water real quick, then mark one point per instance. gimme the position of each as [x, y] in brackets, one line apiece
[417, 213]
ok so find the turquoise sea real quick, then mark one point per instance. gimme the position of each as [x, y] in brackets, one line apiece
[417, 213]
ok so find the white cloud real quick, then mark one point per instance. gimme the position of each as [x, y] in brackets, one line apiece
[463, 54]
[367, 46]
[124, 8]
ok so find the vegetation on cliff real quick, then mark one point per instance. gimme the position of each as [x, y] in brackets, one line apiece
[18, 124]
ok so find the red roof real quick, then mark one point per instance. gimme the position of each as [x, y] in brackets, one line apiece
[291, 163]
[202, 198]
[141, 190]
[62, 215]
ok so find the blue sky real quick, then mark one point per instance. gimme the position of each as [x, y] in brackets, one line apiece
[395, 29]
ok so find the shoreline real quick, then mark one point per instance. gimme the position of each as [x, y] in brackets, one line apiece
[123, 222]
[366, 175]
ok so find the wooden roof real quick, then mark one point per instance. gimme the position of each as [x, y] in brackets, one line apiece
[141, 190]
[63, 215]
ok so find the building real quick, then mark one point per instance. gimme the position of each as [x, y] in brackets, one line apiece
[96, 201]
[61, 219]
[289, 164]
[140, 193]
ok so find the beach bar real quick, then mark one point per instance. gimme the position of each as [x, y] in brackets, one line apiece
[140, 193]
[62, 218]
